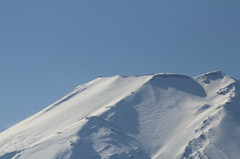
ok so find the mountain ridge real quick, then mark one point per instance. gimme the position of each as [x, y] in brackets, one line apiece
[146, 117]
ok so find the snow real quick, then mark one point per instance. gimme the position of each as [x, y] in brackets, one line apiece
[158, 116]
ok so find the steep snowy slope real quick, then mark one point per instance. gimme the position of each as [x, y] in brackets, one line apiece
[160, 116]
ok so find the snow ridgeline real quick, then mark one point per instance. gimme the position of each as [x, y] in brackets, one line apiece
[159, 116]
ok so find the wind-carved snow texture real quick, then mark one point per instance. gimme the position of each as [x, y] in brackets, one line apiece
[115, 137]
[158, 116]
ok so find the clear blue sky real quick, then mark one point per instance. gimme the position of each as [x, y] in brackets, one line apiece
[47, 47]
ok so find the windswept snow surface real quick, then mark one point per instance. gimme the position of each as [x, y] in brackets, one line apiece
[159, 116]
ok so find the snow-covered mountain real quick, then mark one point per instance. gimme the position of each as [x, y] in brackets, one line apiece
[159, 116]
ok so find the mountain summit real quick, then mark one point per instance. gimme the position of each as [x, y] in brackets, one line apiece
[158, 116]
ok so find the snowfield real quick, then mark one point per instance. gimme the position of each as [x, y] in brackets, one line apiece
[159, 116]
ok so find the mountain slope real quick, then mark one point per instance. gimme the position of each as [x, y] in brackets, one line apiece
[158, 116]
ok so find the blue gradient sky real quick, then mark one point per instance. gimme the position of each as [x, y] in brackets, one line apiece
[48, 47]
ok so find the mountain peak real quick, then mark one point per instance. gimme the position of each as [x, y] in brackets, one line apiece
[217, 73]
[212, 76]
[157, 116]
